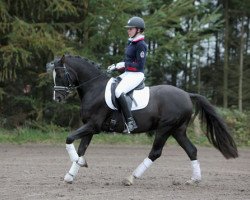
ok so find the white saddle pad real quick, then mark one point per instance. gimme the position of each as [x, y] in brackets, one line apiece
[141, 97]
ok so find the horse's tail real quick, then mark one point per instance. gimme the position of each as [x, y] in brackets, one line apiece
[217, 131]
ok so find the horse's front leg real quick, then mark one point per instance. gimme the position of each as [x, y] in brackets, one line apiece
[86, 133]
[82, 149]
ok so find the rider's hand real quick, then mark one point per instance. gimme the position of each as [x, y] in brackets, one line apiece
[111, 68]
[120, 65]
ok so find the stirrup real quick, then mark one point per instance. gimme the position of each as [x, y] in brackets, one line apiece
[130, 126]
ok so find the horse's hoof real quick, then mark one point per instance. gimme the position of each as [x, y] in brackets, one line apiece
[82, 162]
[128, 181]
[193, 182]
[68, 178]
[84, 165]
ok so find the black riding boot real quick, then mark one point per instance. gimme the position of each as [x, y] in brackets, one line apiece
[131, 125]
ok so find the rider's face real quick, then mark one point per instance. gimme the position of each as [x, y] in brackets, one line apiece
[132, 32]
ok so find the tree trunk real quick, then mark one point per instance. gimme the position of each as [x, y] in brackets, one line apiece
[225, 68]
[190, 70]
[185, 72]
[241, 65]
[247, 36]
[199, 75]
[85, 28]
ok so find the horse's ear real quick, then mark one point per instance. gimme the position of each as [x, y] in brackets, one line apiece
[63, 58]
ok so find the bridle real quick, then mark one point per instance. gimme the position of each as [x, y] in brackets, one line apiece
[71, 86]
[67, 77]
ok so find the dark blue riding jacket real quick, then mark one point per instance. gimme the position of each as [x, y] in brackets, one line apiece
[135, 55]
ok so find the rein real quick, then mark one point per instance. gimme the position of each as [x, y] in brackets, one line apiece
[88, 81]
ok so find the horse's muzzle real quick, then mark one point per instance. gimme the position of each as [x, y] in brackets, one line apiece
[58, 99]
[60, 93]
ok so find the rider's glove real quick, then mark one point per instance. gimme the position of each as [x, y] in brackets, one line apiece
[111, 68]
[120, 65]
[117, 66]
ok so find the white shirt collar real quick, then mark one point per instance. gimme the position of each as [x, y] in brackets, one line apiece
[137, 38]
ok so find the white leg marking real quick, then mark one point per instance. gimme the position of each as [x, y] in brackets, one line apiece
[72, 152]
[69, 177]
[138, 172]
[142, 168]
[82, 162]
[196, 170]
[196, 173]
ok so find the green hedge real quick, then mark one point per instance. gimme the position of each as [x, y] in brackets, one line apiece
[49, 120]
[239, 125]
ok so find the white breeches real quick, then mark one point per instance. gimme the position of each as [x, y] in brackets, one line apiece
[129, 81]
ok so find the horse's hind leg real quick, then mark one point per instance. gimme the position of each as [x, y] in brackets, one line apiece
[159, 142]
[191, 150]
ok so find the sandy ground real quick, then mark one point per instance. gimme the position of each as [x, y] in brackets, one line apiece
[36, 172]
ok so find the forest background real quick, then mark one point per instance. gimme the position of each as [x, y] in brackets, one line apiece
[201, 46]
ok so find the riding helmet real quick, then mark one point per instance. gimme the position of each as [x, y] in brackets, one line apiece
[136, 22]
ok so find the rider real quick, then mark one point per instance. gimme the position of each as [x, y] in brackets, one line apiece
[133, 67]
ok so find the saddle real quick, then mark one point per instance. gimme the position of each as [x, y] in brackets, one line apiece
[129, 95]
[137, 99]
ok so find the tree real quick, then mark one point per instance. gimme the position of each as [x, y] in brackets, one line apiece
[176, 30]
[185, 40]
[225, 77]
[31, 33]
[235, 45]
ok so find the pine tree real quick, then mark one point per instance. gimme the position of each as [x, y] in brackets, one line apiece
[176, 30]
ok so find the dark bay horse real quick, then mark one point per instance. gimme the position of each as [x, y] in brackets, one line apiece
[168, 113]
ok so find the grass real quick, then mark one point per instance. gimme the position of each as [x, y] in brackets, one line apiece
[25, 135]
[39, 132]
[54, 135]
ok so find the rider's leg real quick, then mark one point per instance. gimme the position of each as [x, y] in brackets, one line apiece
[129, 81]
[131, 125]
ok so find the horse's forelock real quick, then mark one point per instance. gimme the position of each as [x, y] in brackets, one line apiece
[50, 66]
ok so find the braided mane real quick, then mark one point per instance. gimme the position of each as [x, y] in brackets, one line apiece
[97, 65]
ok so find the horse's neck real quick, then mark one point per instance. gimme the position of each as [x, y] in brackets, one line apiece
[83, 70]
[93, 88]
[90, 79]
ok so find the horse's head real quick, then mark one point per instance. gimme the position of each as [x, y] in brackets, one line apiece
[71, 72]
[63, 82]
